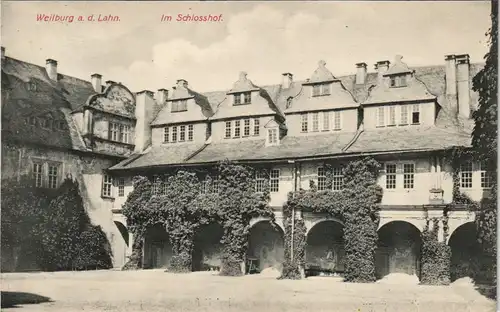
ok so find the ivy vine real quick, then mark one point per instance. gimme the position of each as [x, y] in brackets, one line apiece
[356, 205]
[183, 205]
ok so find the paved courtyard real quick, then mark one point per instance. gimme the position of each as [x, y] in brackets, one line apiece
[155, 290]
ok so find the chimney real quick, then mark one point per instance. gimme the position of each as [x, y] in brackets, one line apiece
[287, 80]
[360, 73]
[463, 85]
[51, 68]
[145, 108]
[96, 80]
[382, 67]
[109, 82]
[161, 96]
[3, 53]
[182, 83]
[451, 74]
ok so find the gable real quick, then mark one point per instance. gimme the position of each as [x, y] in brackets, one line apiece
[116, 99]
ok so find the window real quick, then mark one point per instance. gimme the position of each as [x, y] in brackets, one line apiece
[408, 176]
[47, 123]
[304, 122]
[390, 176]
[179, 106]
[121, 187]
[246, 127]
[392, 116]
[415, 115]
[107, 183]
[32, 121]
[380, 117]
[247, 98]
[321, 179]
[182, 133]
[228, 129]
[37, 174]
[326, 121]
[315, 122]
[260, 179]
[237, 129]
[190, 132]
[337, 179]
[174, 134]
[237, 99]
[485, 175]
[272, 136]
[61, 125]
[124, 133]
[325, 89]
[166, 134]
[404, 115]
[398, 81]
[466, 175]
[336, 120]
[118, 132]
[275, 180]
[316, 90]
[256, 127]
[155, 185]
[164, 187]
[52, 176]
[32, 86]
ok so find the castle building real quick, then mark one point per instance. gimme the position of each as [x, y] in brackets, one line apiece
[405, 117]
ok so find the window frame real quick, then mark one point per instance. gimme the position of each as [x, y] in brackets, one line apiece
[274, 180]
[38, 174]
[237, 129]
[408, 177]
[107, 185]
[272, 136]
[337, 116]
[190, 133]
[337, 178]
[466, 176]
[260, 178]
[256, 126]
[246, 127]
[121, 187]
[415, 110]
[380, 116]
[326, 121]
[304, 122]
[393, 176]
[228, 131]
[179, 106]
[315, 122]
[321, 178]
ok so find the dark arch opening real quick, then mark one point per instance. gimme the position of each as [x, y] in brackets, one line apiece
[465, 251]
[123, 231]
[325, 249]
[265, 246]
[157, 247]
[398, 249]
[207, 248]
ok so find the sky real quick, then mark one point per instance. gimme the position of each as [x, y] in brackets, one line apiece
[262, 39]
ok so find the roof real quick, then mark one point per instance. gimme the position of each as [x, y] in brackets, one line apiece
[27, 91]
[243, 84]
[166, 116]
[398, 67]
[321, 74]
[407, 139]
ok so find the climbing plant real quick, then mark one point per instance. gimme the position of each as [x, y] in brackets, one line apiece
[356, 205]
[183, 205]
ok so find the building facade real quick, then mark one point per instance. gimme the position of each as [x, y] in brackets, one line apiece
[404, 117]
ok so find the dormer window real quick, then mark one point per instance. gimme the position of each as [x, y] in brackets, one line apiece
[242, 98]
[398, 81]
[32, 86]
[321, 89]
[272, 136]
[179, 106]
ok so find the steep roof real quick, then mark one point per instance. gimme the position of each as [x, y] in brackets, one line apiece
[27, 92]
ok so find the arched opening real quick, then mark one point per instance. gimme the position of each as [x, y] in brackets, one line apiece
[157, 247]
[465, 251]
[325, 249]
[207, 247]
[123, 231]
[398, 249]
[265, 246]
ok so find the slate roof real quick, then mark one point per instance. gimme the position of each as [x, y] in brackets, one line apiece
[448, 131]
[27, 91]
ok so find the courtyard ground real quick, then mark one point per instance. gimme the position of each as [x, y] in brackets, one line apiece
[155, 290]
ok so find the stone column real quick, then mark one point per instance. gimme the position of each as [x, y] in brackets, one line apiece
[130, 244]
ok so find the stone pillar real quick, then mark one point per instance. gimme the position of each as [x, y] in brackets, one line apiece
[440, 233]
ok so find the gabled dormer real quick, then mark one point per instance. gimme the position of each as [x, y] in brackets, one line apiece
[398, 99]
[275, 131]
[243, 112]
[322, 106]
[184, 117]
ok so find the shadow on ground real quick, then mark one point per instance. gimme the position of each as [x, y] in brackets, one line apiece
[12, 299]
[486, 290]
